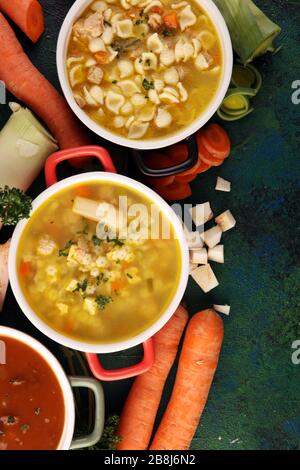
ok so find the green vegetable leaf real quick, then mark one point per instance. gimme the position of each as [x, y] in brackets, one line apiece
[65, 250]
[110, 439]
[15, 205]
[81, 286]
[148, 85]
[116, 241]
[103, 300]
[96, 241]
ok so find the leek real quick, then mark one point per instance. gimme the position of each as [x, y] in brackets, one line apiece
[246, 82]
[252, 32]
[25, 145]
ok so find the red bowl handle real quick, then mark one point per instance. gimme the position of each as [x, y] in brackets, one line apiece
[51, 178]
[119, 374]
[78, 152]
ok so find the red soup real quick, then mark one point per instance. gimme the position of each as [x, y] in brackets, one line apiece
[31, 401]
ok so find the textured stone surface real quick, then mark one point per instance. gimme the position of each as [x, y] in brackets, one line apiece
[255, 399]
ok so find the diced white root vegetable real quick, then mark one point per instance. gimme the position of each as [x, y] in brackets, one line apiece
[96, 45]
[4, 249]
[212, 236]
[171, 76]
[201, 62]
[125, 68]
[226, 221]
[198, 256]
[154, 44]
[163, 118]
[216, 254]
[192, 266]
[223, 185]
[119, 121]
[222, 309]
[201, 213]
[167, 57]
[27, 149]
[86, 208]
[205, 277]
[95, 75]
[193, 239]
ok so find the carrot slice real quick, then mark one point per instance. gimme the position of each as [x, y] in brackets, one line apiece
[27, 14]
[170, 20]
[197, 365]
[24, 81]
[204, 154]
[175, 191]
[185, 178]
[204, 167]
[216, 141]
[156, 9]
[82, 191]
[177, 153]
[101, 57]
[139, 412]
[25, 268]
[159, 182]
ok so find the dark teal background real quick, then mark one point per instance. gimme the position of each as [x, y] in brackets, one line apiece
[255, 399]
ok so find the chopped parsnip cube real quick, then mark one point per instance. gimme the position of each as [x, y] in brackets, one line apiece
[216, 254]
[223, 185]
[212, 236]
[222, 309]
[205, 278]
[225, 220]
[199, 256]
[201, 213]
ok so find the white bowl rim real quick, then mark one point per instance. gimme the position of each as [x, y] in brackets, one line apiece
[39, 348]
[101, 347]
[213, 12]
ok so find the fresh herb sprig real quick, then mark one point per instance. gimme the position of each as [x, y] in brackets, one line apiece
[15, 205]
[103, 300]
[65, 250]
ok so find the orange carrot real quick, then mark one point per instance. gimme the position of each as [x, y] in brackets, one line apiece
[175, 191]
[139, 412]
[171, 21]
[101, 57]
[216, 140]
[156, 9]
[25, 268]
[24, 81]
[27, 14]
[197, 365]
[117, 285]
[83, 191]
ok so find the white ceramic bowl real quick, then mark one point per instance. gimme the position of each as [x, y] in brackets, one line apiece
[92, 347]
[66, 441]
[214, 14]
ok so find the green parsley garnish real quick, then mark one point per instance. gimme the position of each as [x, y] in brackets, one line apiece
[11, 419]
[65, 250]
[101, 278]
[129, 275]
[107, 23]
[116, 241]
[81, 286]
[138, 22]
[96, 240]
[15, 205]
[85, 229]
[114, 81]
[24, 428]
[167, 32]
[148, 85]
[103, 300]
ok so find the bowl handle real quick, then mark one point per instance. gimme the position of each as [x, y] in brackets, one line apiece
[96, 387]
[51, 178]
[78, 152]
[119, 374]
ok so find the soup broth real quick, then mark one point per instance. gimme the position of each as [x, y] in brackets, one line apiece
[144, 69]
[98, 289]
[31, 401]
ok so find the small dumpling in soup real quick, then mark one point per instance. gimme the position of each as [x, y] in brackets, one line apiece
[144, 68]
[93, 270]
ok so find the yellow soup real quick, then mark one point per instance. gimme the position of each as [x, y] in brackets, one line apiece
[89, 266]
[144, 71]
